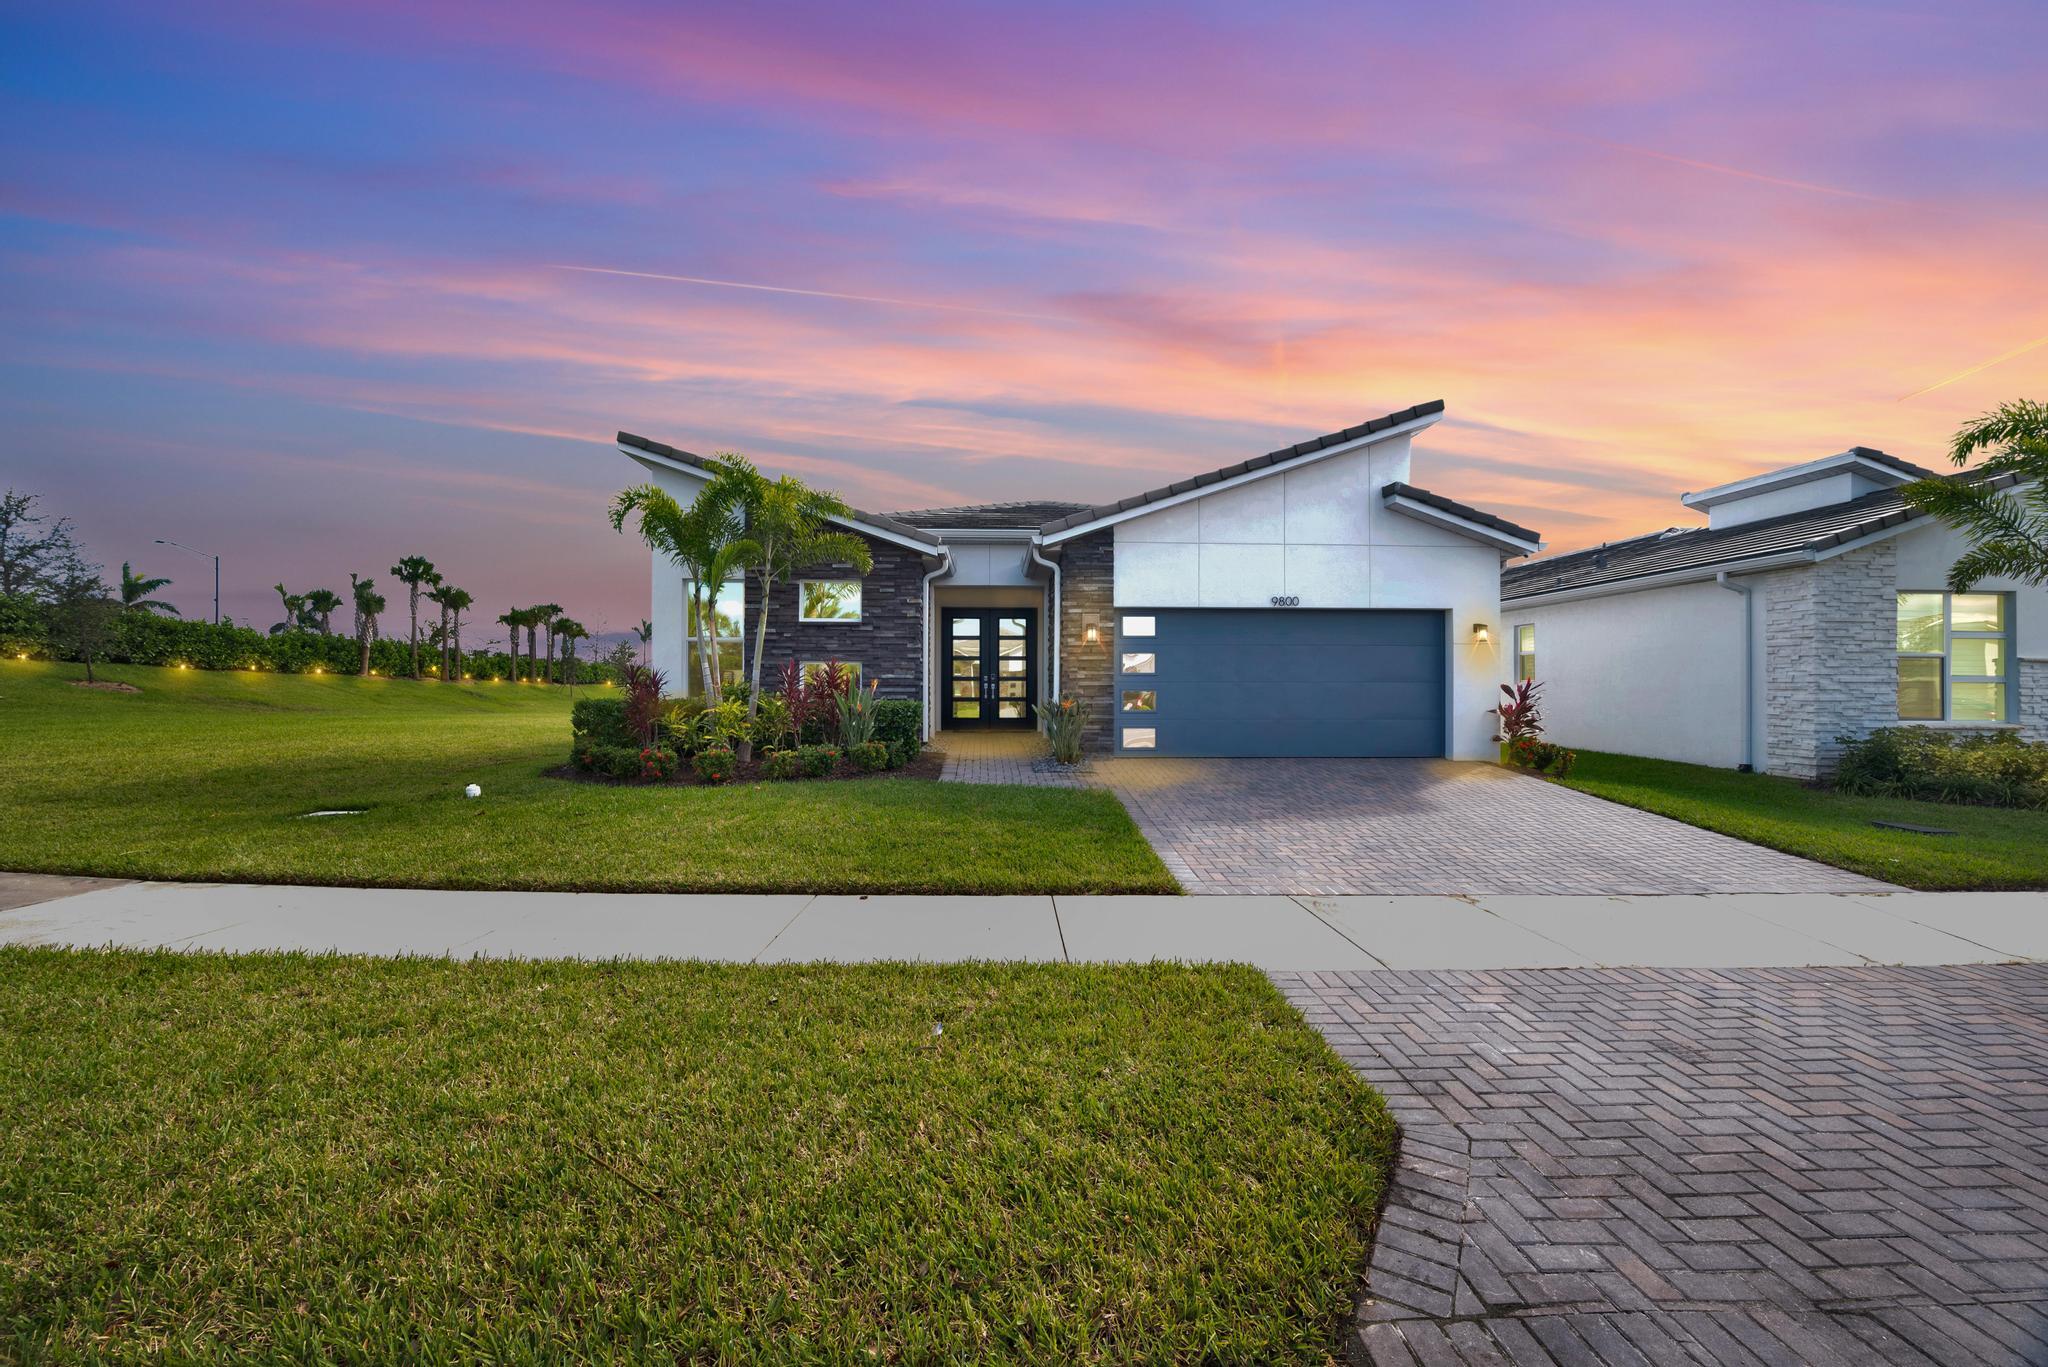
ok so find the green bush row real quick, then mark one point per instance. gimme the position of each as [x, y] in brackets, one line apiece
[602, 721]
[1987, 769]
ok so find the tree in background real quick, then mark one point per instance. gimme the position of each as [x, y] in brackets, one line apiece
[459, 602]
[570, 631]
[646, 640]
[443, 596]
[82, 615]
[544, 617]
[320, 606]
[414, 571]
[295, 618]
[509, 618]
[705, 541]
[620, 657]
[368, 603]
[37, 554]
[135, 591]
[2008, 530]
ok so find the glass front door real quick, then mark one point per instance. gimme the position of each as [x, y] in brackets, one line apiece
[991, 666]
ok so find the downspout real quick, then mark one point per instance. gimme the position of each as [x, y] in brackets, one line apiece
[1748, 667]
[945, 566]
[1053, 693]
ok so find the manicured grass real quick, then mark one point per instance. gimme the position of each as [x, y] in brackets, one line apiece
[283, 1158]
[206, 776]
[1992, 847]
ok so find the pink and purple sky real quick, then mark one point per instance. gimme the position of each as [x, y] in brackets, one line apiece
[317, 287]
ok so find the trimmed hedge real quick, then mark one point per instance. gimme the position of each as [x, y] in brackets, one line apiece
[1987, 769]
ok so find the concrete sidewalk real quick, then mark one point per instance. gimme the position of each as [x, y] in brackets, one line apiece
[1277, 933]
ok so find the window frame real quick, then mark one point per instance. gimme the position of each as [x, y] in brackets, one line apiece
[693, 683]
[803, 605]
[1946, 654]
[1522, 655]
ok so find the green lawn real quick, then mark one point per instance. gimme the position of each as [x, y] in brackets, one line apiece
[283, 1158]
[1992, 847]
[205, 776]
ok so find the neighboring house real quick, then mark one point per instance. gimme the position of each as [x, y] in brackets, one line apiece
[1310, 601]
[1813, 605]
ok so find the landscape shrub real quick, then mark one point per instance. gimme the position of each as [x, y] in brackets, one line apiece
[1527, 752]
[724, 723]
[817, 761]
[771, 721]
[1064, 723]
[613, 761]
[782, 764]
[869, 756]
[657, 762]
[24, 626]
[856, 717]
[899, 723]
[1520, 711]
[600, 721]
[901, 752]
[715, 764]
[679, 717]
[1989, 769]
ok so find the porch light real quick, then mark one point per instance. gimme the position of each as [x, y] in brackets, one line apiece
[1481, 634]
[1091, 630]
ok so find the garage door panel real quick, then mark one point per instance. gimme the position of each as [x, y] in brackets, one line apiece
[1250, 682]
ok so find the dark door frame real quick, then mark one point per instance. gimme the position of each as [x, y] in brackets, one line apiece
[988, 677]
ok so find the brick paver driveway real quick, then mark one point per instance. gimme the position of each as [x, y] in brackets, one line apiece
[1829, 1166]
[1396, 826]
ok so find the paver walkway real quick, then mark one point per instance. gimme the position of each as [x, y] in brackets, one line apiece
[1400, 826]
[1013, 757]
[1784, 1166]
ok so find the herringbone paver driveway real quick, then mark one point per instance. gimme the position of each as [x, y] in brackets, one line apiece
[1783, 1166]
[1396, 826]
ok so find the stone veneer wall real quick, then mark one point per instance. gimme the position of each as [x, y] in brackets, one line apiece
[2032, 677]
[1830, 663]
[1088, 587]
[887, 641]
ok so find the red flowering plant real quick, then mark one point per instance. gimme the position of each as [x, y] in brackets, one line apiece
[643, 702]
[658, 763]
[1520, 712]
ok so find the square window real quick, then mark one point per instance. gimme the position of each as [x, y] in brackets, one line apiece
[1009, 711]
[1977, 612]
[1978, 702]
[1009, 626]
[967, 709]
[1009, 688]
[1977, 656]
[1920, 624]
[1010, 647]
[1139, 699]
[966, 688]
[967, 626]
[1138, 662]
[967, 649]
[1140, 738]
[1009, 666]
[828, 600]
[1920, 688]
[1140, 626]
[966, 669]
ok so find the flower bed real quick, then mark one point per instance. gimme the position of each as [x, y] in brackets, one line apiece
[928, 765]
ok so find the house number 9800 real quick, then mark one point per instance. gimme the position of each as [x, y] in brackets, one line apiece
[1286, 600]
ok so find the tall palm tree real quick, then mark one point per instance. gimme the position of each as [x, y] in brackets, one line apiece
[2008, 531]
[646, 637]
[705, 540]
[294, 611]
[571, 631]
[413, 571]
[443, 595]
[135, 591]
[368, 604]
[509, 619]
[544, 615]
[321, 603]
[459, 602]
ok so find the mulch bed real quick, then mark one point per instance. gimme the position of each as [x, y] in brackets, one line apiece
[927, 766]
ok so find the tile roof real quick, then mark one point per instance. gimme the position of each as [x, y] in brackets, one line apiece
[1023, 516]
[881, 520]
[1244, 467]
[1702, 548]
[1457, 509]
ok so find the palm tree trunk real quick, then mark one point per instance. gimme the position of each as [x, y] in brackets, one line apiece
[532, 649]
[415, 600]
[707, 639]
[458, 641]
[547, 672]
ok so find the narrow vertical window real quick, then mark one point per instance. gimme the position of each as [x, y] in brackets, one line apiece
[1525, 652]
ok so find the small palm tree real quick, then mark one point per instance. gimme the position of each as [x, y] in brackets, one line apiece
[509, 619]
[135, 591]
[646, 638]
[2008, 532]
[705, 540]
[459, 602]
[321, 603]
[414, 571]
[544, 616]
[294, 611]
[570, 631]
[368, 603]
[443, 595]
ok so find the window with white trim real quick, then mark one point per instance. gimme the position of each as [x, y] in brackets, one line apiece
[728, 634]
[1525, 652]
[1955, 656]
[828, 600]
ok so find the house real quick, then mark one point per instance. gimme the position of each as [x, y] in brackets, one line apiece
[1812, 605]
[1309, 601]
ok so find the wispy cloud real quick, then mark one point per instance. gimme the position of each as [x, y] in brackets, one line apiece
[816, 294]
[1979, 369]
[1759, 177]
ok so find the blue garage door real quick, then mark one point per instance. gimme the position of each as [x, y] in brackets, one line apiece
[1219, 681]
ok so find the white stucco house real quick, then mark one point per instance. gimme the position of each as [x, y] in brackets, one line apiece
[1813, 605]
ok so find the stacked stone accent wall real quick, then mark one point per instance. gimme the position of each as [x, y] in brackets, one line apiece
[1088, 588]
[2032, 677]
[887, 641]
[1830, 664]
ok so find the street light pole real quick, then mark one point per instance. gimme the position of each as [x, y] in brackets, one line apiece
[216, 572]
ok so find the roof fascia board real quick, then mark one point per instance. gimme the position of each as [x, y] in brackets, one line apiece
[1827, 467]
[683, 467]
[1669, 578]
[1408, 428]
[1019, 535]
[1438, 517]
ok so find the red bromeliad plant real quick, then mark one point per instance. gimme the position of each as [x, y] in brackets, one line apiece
[643, 701]
[1520, 715]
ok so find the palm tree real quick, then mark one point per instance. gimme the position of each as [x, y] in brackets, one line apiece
[705, 540]
[321, 603]
[646, 636]
[2008, 532]
[787, 533]
[294, 611]
[571, 631]
[135, 591]
[412, 572]
[444, 596]
[368, 603]
[509, 619]
[459, 601]
[544, 615]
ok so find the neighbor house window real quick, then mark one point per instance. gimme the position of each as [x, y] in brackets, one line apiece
[850, 668]
[1955, 656]
[728, 630]
[828, 600]
[1525, 652]
[1138, 662]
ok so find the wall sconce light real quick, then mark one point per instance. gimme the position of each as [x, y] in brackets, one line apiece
[1481, 634]
[1091, 631]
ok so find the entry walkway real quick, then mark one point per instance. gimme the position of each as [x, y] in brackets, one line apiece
[1276, 933]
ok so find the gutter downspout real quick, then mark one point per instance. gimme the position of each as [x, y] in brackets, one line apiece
[1057, 625]
[945, 566]
[1748, 667]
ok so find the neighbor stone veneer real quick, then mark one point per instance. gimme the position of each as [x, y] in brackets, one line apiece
[1088, 588]
[887, 642]
[2032, 677]
[1830, 658]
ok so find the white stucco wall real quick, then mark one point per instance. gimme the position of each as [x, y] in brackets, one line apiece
[1925, 554]
[668, 608]
[991, 563]
[1655, 673]
[1320, 533]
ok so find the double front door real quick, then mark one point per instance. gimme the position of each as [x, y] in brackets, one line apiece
[991, 666]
